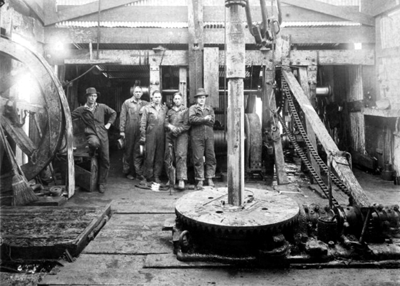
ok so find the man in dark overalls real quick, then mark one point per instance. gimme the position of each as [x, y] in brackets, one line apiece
[129, 128]
[152, 137]
[201, 119]
[93, 115]
[177, 137]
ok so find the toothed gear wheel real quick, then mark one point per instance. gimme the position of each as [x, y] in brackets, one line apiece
[262, 212]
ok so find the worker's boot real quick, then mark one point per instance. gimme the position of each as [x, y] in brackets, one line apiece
[144, 183]
[181, 185]
[130, 177]
[210, 182]
[102, 188]
[199, 185]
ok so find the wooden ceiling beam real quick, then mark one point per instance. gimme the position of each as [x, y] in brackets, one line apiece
[158, 36]
[83, 10]
[36, 9]
[384, 6]
[333, 10]
[253, 57]
[210, 13]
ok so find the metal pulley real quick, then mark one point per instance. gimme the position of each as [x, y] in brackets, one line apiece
[40, 138]
[324, 91]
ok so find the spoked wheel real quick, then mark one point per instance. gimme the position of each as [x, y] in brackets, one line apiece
[31, 105]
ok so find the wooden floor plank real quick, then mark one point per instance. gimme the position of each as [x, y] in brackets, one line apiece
[163, 205]
[137, 221]
[133, 234]
[152, 244]
[170, 261]
[128, 270]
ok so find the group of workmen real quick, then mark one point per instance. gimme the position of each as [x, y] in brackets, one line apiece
[154, 136]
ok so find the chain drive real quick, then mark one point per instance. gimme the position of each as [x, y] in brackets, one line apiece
[310, 146]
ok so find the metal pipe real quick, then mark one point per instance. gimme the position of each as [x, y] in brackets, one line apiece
[323, 91]
[264, 14]
[235, 72]
[248, 17]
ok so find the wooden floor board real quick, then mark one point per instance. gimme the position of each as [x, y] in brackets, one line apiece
[146, 206]
[169, 260]
[128, 270]
[133, 234]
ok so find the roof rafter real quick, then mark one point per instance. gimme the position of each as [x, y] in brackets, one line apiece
[333, 10]
[36, 9]
[83, 10]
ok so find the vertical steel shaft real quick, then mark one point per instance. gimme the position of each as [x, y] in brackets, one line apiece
[235, 73]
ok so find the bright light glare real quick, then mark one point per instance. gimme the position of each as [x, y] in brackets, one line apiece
[358, 46]
[58, 46]
[21, 40]
[27, 88]
[259, 107]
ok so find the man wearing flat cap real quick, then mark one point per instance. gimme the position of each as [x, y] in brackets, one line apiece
[201, 119]
[94, 115]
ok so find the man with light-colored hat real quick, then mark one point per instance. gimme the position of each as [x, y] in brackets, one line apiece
[93, 115]
[201, 119]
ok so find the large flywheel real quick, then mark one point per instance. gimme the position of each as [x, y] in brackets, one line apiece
[35, 123]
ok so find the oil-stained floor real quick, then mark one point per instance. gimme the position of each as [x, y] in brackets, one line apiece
[133, 250]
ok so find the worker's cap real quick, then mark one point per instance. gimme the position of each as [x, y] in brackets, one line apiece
[92, 90]
[201, 92]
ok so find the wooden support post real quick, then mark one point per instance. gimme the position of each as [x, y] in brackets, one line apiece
[211, 75]
[269, 80]
[396, 150]
[357, 123]
[183, 84]
[282, 49]
[269, 104]
[49, 10]
[59, 73]
[155, 78]
[235, 72]
[339, 162]
[281, 176]
[196, 43]
[303, 77]
[312, 81]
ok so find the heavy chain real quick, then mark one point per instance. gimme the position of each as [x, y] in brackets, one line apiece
[313, 152]
[307, 163]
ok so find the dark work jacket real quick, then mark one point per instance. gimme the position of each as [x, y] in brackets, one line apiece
[179, 118]
[95, 121]
[201, 128]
